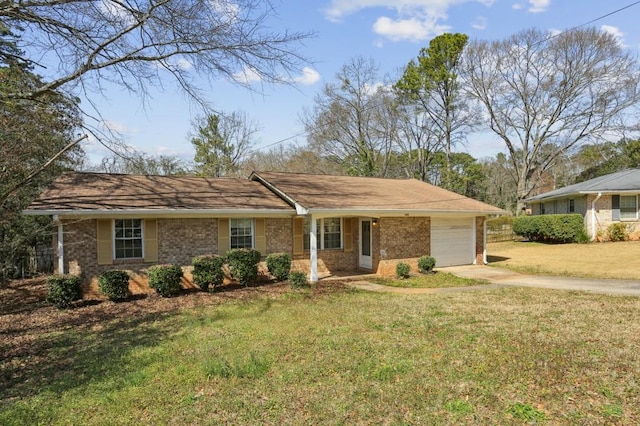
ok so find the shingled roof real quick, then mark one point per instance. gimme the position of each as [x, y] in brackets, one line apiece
[263, 193]
[332, 193]
[625, 181]
[101, 192]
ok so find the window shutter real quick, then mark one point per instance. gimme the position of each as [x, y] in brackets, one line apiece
[615, 208]
[224, 240]
[260, 236]
[151, 240]
[298, 235]
[104, 237]
[348, 234]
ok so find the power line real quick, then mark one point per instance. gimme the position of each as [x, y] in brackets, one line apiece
[542, 41]
[591, 21]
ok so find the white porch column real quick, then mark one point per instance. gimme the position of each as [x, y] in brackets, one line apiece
[58, 222]
[484, 241]
[313, 250]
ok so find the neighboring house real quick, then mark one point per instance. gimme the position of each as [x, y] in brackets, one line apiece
[328, 223]
[601, 201]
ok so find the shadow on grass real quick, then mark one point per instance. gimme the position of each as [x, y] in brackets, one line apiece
[74, 356]
[491, 259]
[47, 350]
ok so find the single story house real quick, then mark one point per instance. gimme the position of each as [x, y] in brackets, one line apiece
[601, 201]
[327, 223]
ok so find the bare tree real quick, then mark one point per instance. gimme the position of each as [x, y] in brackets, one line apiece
[347, 120]
[417, 141]
[76, 46]
[222, 142]
[289, 158]
[545, 94]
[140, 163]
[132, 42]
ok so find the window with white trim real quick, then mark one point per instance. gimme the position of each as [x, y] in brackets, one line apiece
[329, 233]
[628, 207]
[241, 233]
[127, 238]
[572, 206]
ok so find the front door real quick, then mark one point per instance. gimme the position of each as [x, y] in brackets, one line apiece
[365, 244]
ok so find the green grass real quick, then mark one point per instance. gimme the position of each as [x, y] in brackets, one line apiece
[508, 356]
[436, 280]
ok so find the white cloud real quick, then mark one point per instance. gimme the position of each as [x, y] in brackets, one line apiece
[615, 32]
[517, 6]
[554, 32]
[309, 76]
[372, 89]
[538, 6]
[408, 29]
[413, 20]
[182, 64]
[113, 11]
[480, 23]
[247, 76]
[114, 126]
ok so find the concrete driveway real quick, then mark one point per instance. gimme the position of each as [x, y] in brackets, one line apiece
[505, 277]
[500, 278]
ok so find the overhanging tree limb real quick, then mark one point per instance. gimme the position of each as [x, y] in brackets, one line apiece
[7, 193]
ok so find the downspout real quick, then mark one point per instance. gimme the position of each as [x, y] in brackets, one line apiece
[593, 217]
[313, 250]
[58, 222]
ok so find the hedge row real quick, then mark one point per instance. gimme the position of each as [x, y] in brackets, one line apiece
[559, 228]
[208, 274]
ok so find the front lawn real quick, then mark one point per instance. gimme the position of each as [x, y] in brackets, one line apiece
[434, 280]
[324, 356]
[619, 260]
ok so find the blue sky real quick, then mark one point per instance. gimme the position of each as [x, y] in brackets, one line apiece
[391, 32]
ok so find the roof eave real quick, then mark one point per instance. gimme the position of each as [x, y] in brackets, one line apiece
[373, 212]
[164, 212]
[577, 193]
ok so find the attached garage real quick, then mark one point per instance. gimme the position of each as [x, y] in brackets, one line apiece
[452, 241]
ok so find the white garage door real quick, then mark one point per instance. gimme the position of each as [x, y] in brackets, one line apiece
[452, 241]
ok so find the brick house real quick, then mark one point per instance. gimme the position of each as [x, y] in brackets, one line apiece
[327, 223]
[601, 201]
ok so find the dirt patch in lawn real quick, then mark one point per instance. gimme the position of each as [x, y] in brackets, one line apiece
[619, 260]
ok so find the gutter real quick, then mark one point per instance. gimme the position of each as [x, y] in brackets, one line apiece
[163, 212]
[593, 217]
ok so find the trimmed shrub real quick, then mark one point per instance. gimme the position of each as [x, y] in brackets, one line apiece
[63, 290]
[557, 228]
[207, 271]
[279, 265]
[243, 264]
[165, 279]
[114, 284]
[402, 270]
[298, 280]
[583, 237]
[426, 264]
[618, 232]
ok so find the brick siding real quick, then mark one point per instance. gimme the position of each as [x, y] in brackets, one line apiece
[401, 239]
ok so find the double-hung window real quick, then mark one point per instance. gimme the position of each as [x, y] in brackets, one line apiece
[628, 207]
[329, 233]
[128, 238]
[241, 233]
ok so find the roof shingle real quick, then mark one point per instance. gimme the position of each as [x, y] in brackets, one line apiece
[365, 193]
[627, 180]
[113, 192]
